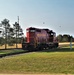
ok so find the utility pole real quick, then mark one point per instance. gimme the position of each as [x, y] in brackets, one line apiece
[18, 19]
[17, 32]
[70, 42]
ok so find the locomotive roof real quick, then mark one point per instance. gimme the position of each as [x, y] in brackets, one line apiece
[37, 28]
[33, 28]
[30, 28]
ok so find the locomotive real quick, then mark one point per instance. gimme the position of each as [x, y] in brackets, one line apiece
[39, 39]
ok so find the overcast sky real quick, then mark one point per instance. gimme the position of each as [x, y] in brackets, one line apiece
[57, 15]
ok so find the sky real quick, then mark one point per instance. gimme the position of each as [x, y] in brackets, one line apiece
[56, 15]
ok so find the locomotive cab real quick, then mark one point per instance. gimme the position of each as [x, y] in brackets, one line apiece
[30, 32]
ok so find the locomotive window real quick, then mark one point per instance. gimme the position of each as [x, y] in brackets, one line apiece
[27, 30]
[32, 30]
[51, 33]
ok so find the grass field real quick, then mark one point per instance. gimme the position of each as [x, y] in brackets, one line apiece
[55, 61]
[11, 51]
[14, 46]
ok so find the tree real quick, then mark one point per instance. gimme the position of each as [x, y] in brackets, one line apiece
[10, 37]
[18, 32]
[59, 37]
[71, 38]
[6, 25]
[65, 38]
[1, 41]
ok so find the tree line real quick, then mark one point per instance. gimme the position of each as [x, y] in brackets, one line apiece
[13, 34]
[10, 34]
[65, 38]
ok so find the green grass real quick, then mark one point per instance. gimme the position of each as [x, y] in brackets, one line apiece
[55, 61]
[68, 47]
[10, 51]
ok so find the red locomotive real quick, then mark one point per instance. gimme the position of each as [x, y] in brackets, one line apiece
[38, 39]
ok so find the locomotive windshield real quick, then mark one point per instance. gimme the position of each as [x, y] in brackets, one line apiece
[31, 30]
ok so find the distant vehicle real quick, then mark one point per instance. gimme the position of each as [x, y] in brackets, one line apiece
[39, 39]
